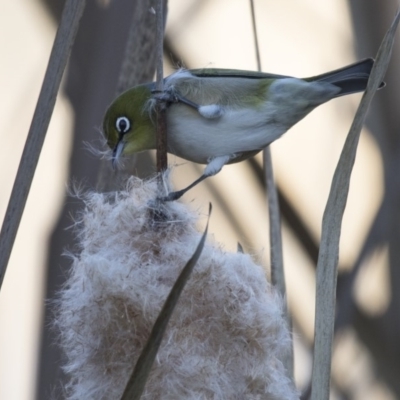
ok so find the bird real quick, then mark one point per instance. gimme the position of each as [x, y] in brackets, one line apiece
[222, 116]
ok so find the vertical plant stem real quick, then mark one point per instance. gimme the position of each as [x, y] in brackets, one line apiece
[139, 61]
[64, 39]
[277, 271]
[276, 253]
[331, 227]
[137, 67]
[162, 162]
[276, 250]
[255, 36]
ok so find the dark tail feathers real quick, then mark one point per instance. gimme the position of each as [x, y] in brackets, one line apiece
[350, 79]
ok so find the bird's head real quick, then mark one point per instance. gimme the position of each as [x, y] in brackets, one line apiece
[127, 124]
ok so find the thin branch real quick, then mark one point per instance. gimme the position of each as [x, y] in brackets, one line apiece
[277, 269]
[331, 226]
[255, 36]
[139, 62]
[63, 41]
[137, 67]
[162, 162]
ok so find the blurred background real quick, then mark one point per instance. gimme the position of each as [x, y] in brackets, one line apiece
[296, 38]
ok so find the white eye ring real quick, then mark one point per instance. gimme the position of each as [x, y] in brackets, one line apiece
[122, 124]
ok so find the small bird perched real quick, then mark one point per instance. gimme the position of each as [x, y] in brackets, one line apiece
[222, 116]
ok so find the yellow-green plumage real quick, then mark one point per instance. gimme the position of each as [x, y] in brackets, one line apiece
[142, 134]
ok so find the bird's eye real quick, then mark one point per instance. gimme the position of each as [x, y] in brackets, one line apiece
[123, 125]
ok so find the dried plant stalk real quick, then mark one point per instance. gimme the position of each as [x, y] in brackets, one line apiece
[276, 259]
[331, 226]
[63, 41]
[161, 111]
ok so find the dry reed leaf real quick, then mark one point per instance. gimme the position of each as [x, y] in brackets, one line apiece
[63, 41]
[331, 226]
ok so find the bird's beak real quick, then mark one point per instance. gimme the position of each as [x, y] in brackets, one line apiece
[118, 149]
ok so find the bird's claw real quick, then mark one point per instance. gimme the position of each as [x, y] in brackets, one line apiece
[172, 196]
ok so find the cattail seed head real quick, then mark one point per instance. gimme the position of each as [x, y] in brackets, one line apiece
[227, 335]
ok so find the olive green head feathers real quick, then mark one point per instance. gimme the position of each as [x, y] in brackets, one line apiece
[127, 125]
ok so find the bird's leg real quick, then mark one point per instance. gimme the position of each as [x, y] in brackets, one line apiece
[209, 111]
[179, 193]
[213, 167]
[172, 97]
[184, 100]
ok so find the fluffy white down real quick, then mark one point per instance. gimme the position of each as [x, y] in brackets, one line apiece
[226, 337]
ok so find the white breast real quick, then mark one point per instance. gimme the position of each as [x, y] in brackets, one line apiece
[241, 128]
[198, 139]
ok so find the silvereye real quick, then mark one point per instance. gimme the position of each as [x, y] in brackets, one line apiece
[222, 116]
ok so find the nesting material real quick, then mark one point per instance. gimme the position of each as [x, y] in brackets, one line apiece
[226, 337]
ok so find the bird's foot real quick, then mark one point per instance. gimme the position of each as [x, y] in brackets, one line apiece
[172, 196]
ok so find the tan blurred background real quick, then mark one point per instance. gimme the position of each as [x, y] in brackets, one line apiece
[296, 38]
